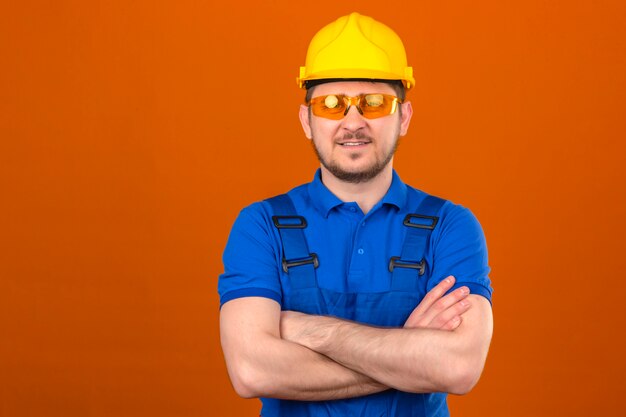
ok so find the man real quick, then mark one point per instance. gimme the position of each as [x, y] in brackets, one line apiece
[355, 295]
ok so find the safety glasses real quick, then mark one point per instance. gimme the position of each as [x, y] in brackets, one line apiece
[371, 106]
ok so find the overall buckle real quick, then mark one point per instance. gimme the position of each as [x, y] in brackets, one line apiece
[431, 226]
[289, 222]
[395, 262]
[311, 260]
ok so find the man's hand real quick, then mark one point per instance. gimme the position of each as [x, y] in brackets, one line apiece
[438, 310]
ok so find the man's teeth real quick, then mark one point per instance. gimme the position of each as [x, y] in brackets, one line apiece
[352, 143]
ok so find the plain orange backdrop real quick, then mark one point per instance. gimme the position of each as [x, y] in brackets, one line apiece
[132, 133]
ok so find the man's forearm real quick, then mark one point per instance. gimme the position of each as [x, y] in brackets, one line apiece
[261, 364]
[415, 360]
[290, 371]
[396, 356]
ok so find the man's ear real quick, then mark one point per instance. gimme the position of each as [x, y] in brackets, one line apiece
[405, 119]
[305, 120]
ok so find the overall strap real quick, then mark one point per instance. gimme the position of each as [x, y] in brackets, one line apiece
[411, 264]
[297, 261]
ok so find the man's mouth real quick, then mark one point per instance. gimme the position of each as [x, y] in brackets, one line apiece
[354, 139]
[353, 143]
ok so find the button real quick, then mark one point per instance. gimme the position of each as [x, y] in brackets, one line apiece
[353, 209]
[360, 251]
[363, 224]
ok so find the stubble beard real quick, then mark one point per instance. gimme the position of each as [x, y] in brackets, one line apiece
[356, 177]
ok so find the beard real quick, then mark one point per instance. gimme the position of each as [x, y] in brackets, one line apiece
[363, 175]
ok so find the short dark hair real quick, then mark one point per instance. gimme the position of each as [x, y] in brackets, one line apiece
[397, 85]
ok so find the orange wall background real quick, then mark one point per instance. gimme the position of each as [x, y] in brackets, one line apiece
[131, 133]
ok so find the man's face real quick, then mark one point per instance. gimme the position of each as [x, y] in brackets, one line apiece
[355, 149]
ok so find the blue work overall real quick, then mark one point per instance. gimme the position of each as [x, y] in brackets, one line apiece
[410, 274]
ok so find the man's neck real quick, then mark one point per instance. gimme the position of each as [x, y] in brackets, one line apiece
[365, 194]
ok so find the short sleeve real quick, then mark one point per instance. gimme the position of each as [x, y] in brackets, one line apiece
[459, 248]
[250, 266]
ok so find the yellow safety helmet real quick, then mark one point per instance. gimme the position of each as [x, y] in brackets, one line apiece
[356, 46]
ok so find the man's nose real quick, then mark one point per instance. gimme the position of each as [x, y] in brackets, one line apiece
[353, 120]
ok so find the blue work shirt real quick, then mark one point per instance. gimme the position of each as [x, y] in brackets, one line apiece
[354, 250]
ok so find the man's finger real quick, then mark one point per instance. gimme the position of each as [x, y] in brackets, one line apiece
[444, 303]
[453, 323]
[441, 320]
[433, 295]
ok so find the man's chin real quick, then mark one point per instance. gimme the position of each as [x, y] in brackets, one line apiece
[354, 175]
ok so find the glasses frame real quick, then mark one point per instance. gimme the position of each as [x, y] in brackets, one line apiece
[353, 101]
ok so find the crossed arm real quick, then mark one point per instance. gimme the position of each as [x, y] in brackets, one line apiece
[442, 347]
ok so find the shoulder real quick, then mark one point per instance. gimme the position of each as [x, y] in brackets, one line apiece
[452, 217]
[458, 219]
[258, 215]
[253, 218]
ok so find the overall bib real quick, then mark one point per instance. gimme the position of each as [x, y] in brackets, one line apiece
[410, 273]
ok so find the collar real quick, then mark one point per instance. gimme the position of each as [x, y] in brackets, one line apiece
[397, 193]
[324, 200]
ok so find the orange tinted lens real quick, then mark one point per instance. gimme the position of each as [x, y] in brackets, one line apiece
[377, 105]
[331, 106]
